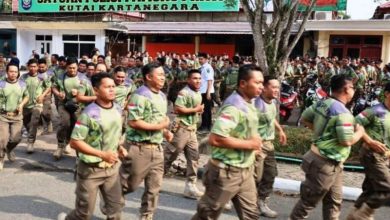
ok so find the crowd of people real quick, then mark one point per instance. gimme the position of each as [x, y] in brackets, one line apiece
[114, 113]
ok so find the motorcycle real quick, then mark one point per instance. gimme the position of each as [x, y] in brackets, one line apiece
[313, 92]
[288, 98]
[369, 99]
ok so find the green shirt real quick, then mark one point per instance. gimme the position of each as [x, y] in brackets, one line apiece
[12, 94]
[267, 115]
[188, 98]
[333, 123]
[182, 75]
[349, 72]
[36, 85]
[150, 107]
[361, 81]
[122, 92]
[376, 122]
[231, 78]
[69, 83]
[100, 128]
[85, 88]
[236, 118]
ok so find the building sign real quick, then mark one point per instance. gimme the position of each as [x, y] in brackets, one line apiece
[325, 5]
[42, 6]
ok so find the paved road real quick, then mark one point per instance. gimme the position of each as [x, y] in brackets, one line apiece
[37, 187]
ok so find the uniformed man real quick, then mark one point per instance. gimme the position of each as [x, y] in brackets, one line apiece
[38, 86]
[177, 84]
[329, 73]
[231, 77]
[96, 139]
[65, 89]
[334, 133]
[13, 97]
[376, 185]
[234, 140]
[124, 87]
[218, 78]
[348, 70]
[148, 125]
[207, 91]
[91, 69]
[188, 106]
[47, 113]
[83, 66]
[265, 165]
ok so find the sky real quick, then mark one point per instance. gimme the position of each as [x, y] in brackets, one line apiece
[361, 9]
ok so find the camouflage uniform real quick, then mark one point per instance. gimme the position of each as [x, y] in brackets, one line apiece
[11, 96]
[100, 128]
[145, 160]
[229, 174]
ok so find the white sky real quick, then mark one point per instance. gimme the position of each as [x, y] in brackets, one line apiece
[361, 9]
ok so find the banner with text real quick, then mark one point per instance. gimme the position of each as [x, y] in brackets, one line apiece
[43, 6]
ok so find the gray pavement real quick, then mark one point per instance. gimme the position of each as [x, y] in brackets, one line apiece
[37, 187]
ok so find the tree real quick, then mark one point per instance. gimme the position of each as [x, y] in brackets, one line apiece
[272, 44]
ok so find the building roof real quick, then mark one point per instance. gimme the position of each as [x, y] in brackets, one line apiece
[385, 5]
[60, 25]
[348, 25]
[184, 27]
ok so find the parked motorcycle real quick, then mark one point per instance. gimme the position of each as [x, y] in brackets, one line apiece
[288, 98]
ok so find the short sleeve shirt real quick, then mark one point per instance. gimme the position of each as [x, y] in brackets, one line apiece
[122, 92]
[236, 118]
[207, 73]
[333, 123]
[69, 83]
[376, 121]
[36, 85]
[231, 78]
[267, 115]
[188, 98]
[99, 127]
[150, 107]
[12, 94]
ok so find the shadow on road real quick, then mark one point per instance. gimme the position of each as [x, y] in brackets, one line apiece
[31, 205]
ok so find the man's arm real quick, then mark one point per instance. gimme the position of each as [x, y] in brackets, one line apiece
[83, 147]
[142, 125]
[253, 143]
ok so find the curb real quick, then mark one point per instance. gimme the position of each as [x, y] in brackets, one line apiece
[293, 186]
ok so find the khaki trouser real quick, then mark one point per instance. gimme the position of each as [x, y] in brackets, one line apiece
[324, 178]
[145, 162]
[224, 184]
[265, 170]
[47, 113]
[376, 185]
[10, 134]
[90, 179]
[67, 122]
[184, 139]
[31, 119]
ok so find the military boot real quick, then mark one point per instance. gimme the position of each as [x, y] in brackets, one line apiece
[10, 154]
[60, 150]
[362, 213]
[1, 163]
[30, 147]
[148, 216]
[265, 210]
[191, 191]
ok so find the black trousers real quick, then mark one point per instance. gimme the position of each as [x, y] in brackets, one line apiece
[206, 116]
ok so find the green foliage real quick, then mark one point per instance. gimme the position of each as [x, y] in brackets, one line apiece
[299, 142]
[230, 3]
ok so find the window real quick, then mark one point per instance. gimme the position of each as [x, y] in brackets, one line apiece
[76, 45]
[43, 43]
[337, 40]
[373, 40]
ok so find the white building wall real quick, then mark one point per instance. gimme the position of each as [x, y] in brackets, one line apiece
[26, 41]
